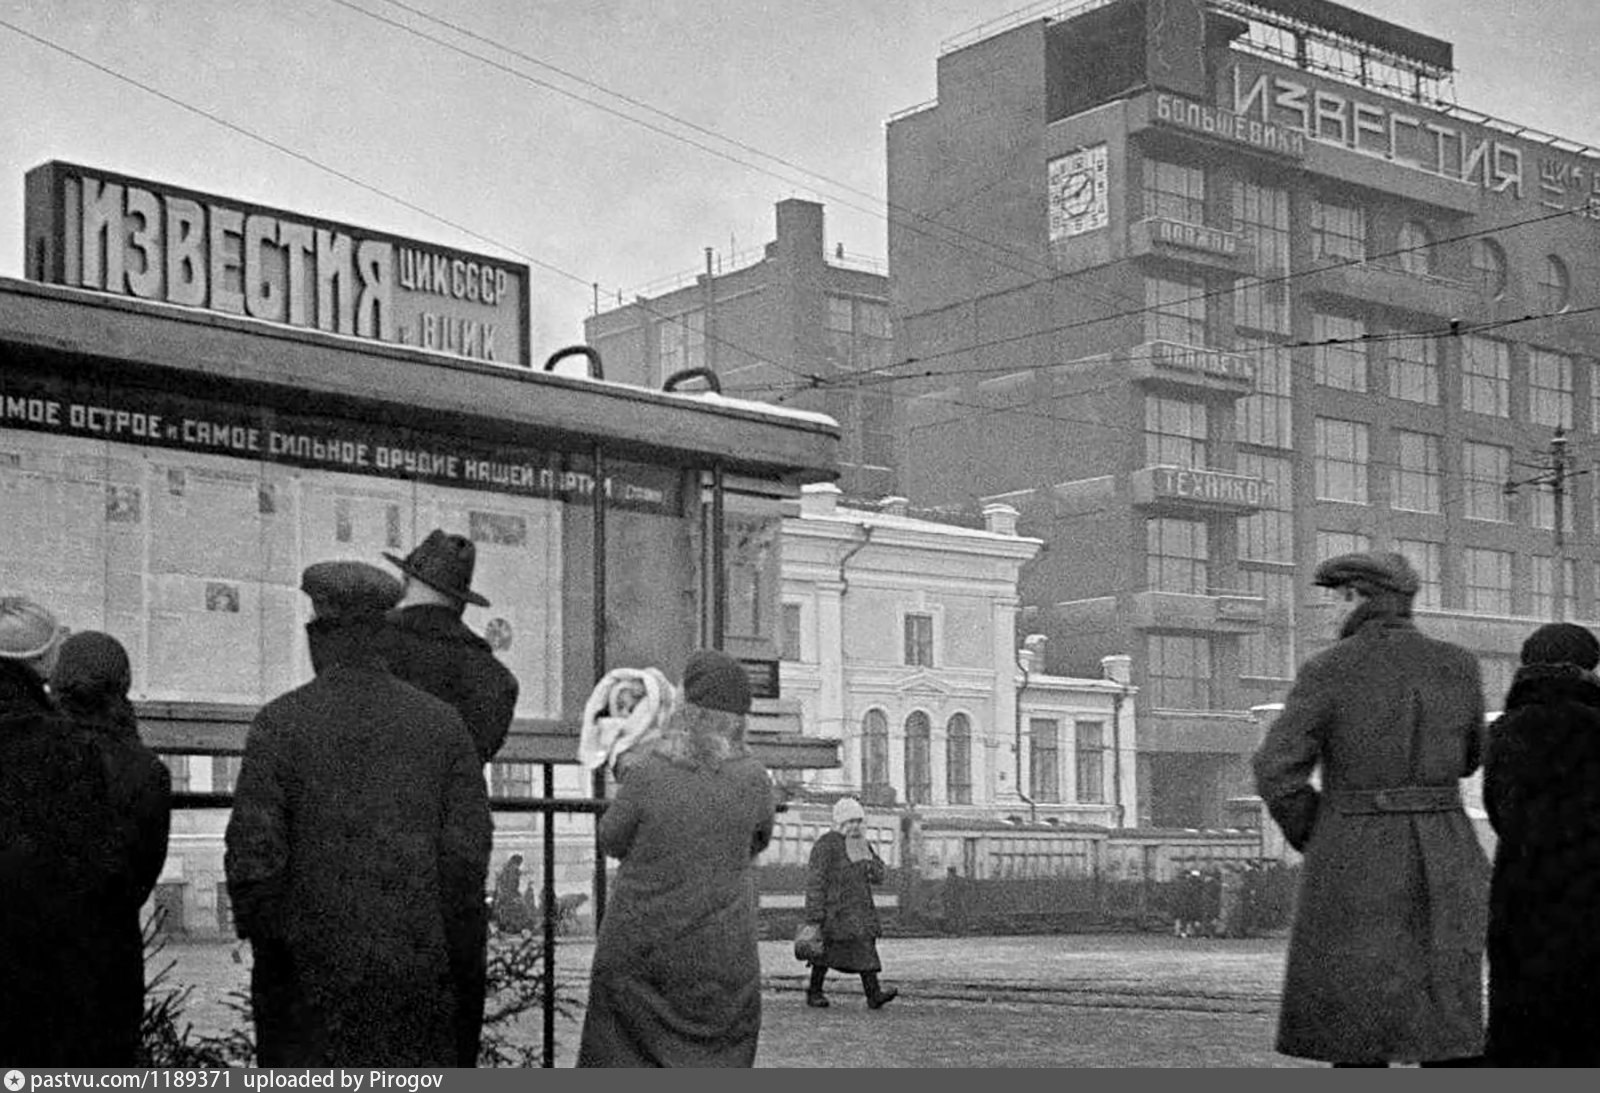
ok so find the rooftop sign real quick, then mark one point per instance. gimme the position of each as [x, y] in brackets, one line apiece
[93, 229]
[1226, 126]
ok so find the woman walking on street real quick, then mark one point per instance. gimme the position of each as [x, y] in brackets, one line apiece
[843, 869]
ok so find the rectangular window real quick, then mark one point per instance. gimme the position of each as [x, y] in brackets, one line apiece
[1487, 581]
[1174, 191]
[1415, 481]
[1261, 217]
[958, 760]
[1414, 369]
[1424, 557]
[1331, 544]
[1543, 500]
[1044, 760]
[1485, 376]
[1569, 589]
[225, 772]
[839, 316]
[1541, 587]
[1338, 232]
[791, 632]
[511, 779]
[1175, 432]
[178, 767]
[1180, 672]
[1265, 416]
[1340, 463]
[1268, 653]
[1268, 534]
[1549, 388]
[1339, 353]
[1091, 746]
[1484, 470]
[1176, 311]
[1177, 556]
[919, 640]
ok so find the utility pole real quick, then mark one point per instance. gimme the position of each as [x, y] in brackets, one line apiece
[1553, 471]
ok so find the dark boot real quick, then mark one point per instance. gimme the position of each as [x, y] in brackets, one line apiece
[814, 996]
[877, 996]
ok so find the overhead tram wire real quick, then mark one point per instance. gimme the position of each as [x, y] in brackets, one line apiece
[893, 210]
[369, 187]
[1455, 329]
[1041, 271]
[1245, 282]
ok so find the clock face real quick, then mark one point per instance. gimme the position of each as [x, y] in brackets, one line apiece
[1077, 188]
[1077, 195]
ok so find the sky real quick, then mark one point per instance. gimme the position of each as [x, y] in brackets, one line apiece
[601, 142]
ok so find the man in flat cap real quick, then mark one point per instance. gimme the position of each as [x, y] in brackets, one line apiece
[357, 849]
[62, 859]
[1385, 958]
[428, 645]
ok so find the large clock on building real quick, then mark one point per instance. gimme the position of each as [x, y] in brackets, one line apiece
[1078, 192]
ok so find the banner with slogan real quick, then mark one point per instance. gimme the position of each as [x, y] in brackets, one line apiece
[66, 406]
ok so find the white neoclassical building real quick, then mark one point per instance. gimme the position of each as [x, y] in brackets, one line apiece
[900, 641]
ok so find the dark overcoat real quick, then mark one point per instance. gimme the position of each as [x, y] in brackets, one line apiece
[357, 853]
[676, 979]
[839, 899]
[1385, 958]
[140, 788]
[62, 866]
[428, 646]
[1542, 792]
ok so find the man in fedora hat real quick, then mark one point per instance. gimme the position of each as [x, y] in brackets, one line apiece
[427, 645]
[63, 860]
[1385, 957]
[357, 850]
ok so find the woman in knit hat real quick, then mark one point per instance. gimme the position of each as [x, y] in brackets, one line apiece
[90, 681]
[1542, 791]
[676, 978]
[843, 869]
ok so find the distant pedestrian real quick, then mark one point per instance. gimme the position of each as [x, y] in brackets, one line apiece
[511, 913]
[91, 680]
[676, 978]
[1386, 953]
[63, 862]
[429, 646]
[841, 872]
[1542, 791]
[357, 850]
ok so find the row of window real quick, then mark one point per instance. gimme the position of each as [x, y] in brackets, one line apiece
[917, 631]
[1044, 764]
[1339, 232]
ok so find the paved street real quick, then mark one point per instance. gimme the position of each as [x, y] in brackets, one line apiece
[1077, 1000]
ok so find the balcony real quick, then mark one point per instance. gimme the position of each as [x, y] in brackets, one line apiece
[1198, 367]
[1197, 490]
[1388, 285]
[1217, 613]
[1196, 244]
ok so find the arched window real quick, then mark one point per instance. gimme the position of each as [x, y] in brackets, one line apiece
[958, 760]
[1555, 285]
[919, 773]
[875, 750]
[1415, 247]
[1489, 267]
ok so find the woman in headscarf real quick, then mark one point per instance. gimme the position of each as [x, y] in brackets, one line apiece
[676, 979]
[91, 680]
[1542, 793]
[843, 869]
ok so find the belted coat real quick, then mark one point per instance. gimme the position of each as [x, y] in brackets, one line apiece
[1385, 956]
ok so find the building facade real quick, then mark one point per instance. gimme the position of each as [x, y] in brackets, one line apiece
[899, 643]
[1249, 293]
[787, 322]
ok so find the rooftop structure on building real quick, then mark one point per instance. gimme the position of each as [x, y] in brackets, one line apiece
[1229, 287]
[788, 324]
